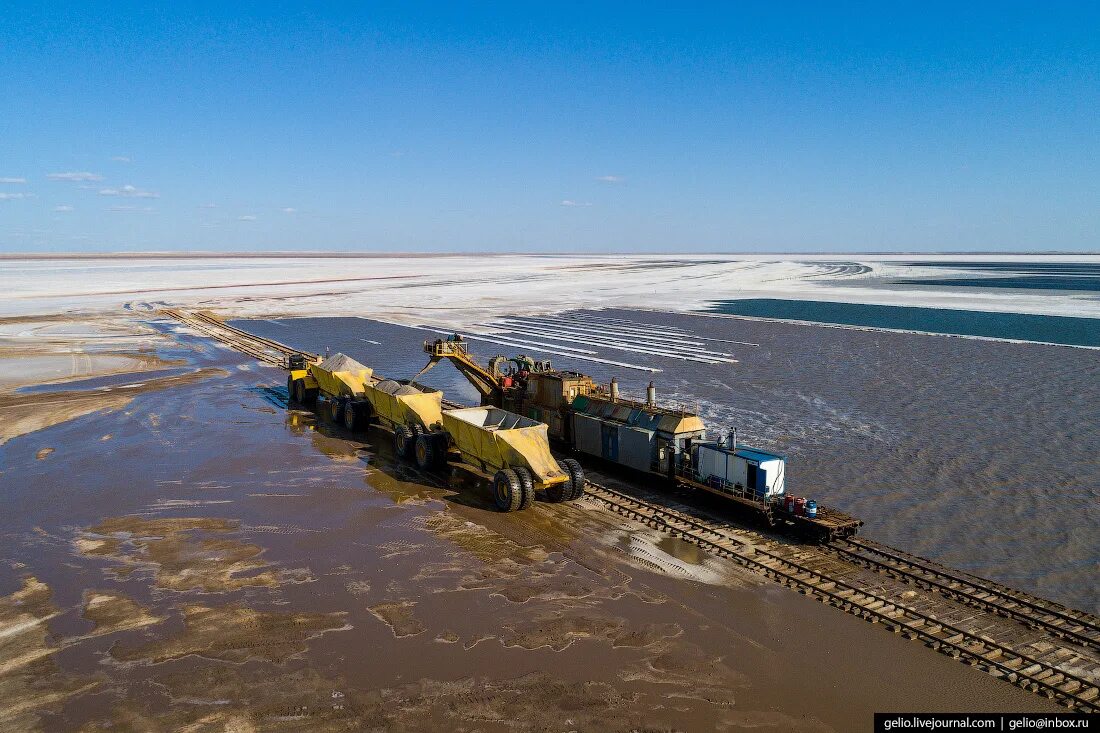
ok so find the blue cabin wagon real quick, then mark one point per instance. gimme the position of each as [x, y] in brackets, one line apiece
[756, 473]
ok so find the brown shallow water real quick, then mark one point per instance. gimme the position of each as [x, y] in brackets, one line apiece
[205, 559]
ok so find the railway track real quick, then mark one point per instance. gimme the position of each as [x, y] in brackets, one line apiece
[1037, 613]
[1042, 672]
[266, 350]
[859, 576]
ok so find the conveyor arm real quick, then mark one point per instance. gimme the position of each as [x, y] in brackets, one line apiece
[484, 382]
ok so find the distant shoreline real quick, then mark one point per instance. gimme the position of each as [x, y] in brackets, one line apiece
[192, 255]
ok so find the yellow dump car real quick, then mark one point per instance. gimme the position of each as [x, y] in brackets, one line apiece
[509, 452]
[355, 397]
[332, 377]
[407, 409]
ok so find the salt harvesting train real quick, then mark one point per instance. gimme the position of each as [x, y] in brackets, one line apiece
[644, 438]
[526, 405]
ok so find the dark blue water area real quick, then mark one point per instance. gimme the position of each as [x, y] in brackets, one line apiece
[1071, 276]
[1065, 330]
[1033, 268]
[1019, 282]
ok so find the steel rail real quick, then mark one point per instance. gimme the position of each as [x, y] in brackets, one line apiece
[255, 346]
[1015, 666]
[1018, 605]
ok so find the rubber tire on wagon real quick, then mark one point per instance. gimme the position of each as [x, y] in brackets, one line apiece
[296, 388]
[527, 481]
[336, 410]
[402, 441]
[576, 478]
[426, 452]
[507, 490]
[356, 417]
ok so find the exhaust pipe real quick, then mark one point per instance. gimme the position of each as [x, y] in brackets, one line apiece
[614, 389]
[651, 395]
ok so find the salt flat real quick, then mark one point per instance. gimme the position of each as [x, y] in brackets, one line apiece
[459, 290]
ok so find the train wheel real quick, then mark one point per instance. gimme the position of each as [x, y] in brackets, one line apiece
[507, 490]
[402, 441]
[527, 482]
[576, 479]
[424, 451]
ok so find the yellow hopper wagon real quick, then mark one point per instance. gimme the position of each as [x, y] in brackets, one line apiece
[505, 452]
[354, 397]
[337, 379]
[406, 409]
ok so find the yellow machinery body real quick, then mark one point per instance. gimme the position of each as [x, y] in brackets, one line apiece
[494, 439]
[399, 404]
[305, 376]
[336, 376]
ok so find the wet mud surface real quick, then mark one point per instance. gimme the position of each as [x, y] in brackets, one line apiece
[205, 559]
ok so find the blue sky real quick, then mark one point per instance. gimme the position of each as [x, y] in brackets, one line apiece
[734, 127]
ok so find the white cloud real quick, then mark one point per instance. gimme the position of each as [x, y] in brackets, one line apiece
[289, 210]
[569, 202]
[13, 180]
[15, 196]
[62, 208]
[208, 206]
[610, 179]
[129, 191]
[75, 176]
[131, 209]
[120, 158]
[246, 217]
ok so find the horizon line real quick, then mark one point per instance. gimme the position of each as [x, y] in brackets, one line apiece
[352, 254]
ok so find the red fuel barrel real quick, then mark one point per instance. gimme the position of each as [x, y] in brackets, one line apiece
[800, 507]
